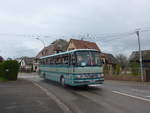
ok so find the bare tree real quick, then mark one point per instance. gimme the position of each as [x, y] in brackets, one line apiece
[122, 61]
[61, 43]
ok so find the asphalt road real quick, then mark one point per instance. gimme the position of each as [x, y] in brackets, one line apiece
[111, 97]
[22, 96]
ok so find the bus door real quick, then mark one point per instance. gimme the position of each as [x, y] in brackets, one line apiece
[71, 63]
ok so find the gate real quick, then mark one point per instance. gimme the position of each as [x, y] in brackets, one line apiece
[147, 75]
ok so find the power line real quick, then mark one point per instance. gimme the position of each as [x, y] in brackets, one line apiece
[88, 36]
[118, 35]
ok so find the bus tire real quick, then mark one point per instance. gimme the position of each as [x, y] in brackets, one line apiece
[62, 81]
[44, 76]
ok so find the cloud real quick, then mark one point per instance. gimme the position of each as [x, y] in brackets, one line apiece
[62, 18]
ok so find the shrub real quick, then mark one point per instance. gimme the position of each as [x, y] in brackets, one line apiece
[1, 69]
[105, 69]
[9, 69]
[117, 69]
[134, 68]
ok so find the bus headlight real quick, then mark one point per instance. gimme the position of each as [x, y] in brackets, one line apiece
[80, 76]
[100, 75]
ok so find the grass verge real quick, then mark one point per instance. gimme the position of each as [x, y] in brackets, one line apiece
[3, 79]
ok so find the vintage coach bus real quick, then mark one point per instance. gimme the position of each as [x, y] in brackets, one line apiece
[76, 67]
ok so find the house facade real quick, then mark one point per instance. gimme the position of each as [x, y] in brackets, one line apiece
[109, 63]
[134, 57]
[26, 64]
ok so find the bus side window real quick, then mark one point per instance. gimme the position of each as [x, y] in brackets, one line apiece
[44, 61]
[66, 60]
[40, 61]
[48, 62]
[60, 60]
[51, 60]
[54, 60]
[73, 59]
[63, 60]
[69, 61]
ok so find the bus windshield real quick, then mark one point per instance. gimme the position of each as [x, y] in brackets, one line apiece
[89, 58]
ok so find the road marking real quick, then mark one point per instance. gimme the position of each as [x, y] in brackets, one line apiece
[125, 94]
[64, 107]
[142, 91]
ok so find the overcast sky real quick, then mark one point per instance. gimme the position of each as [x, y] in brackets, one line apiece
[21, 19]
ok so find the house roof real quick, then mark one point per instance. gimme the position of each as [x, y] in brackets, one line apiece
[109, 58]
[82, 44]
[135, 55]
[47, 51]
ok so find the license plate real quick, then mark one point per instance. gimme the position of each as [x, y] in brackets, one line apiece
[95, 85]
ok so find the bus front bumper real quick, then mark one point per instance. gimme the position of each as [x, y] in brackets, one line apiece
[87, 82]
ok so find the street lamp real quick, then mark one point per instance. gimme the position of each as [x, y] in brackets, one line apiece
[41, 41]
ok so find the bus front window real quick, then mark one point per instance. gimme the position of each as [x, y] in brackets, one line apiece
[88, 58]
[82, 58]
[95, 58]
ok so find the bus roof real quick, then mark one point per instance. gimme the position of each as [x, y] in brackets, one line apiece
[66, 52]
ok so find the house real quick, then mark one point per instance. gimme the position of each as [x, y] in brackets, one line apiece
[26, 64]
[81, 44]
[51, 49]
[109, 62]
[1, 59]
[134, 57]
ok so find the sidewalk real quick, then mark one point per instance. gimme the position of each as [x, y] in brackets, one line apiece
[22, 96]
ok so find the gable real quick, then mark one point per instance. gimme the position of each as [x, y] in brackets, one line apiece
[135, 55]
[81, 44]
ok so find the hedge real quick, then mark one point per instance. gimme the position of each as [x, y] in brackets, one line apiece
[9, 69]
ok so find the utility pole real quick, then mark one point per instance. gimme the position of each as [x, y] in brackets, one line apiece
[140, 55]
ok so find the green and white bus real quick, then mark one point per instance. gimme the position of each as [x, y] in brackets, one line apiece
[76, 67]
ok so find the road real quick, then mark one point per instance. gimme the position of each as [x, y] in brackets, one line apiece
[111, 97]
[22, 96]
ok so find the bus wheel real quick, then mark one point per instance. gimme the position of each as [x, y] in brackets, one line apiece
[62, 81]
[44, 76]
